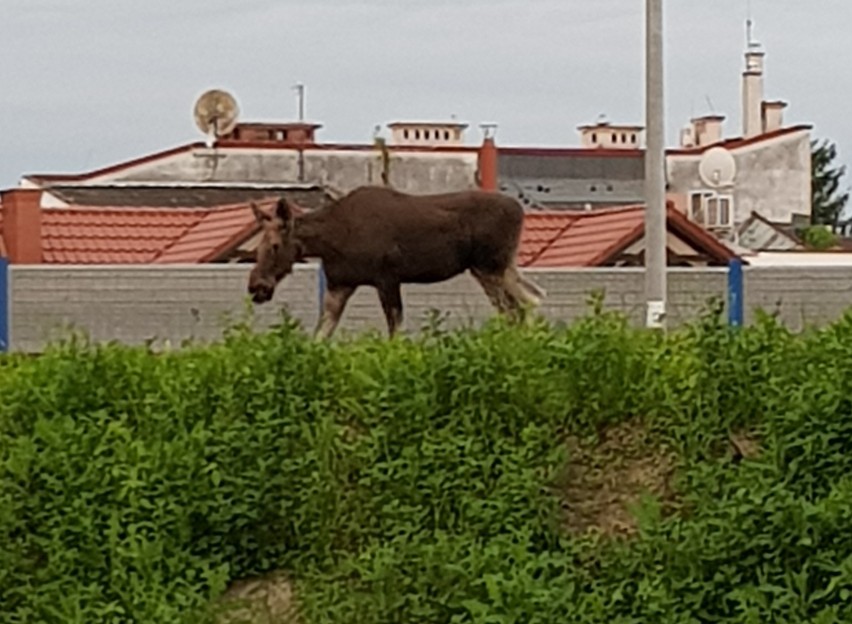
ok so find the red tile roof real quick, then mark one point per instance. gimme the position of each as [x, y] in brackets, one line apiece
[214, 233]
[586, 239]
[590, 237]
[117, 235]
[111, 235]
[540, 230]
[86, 235]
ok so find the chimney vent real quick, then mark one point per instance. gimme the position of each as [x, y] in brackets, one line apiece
[773, 115]
[605, 135]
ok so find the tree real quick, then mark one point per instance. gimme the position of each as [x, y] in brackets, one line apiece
[826, 202]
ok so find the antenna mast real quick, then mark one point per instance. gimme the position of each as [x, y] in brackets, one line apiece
[750, 42]
[300, 91]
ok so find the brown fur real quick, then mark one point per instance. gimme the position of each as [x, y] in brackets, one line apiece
[379, 237]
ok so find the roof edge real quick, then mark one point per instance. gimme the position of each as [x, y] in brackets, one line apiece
[739, 142]
[619, 245]
[696, 234]
[67, 177]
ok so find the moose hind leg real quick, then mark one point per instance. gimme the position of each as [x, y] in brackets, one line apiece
[391, 300]
[495, 291]
[536, 292]
[333, 305]
[524, 291]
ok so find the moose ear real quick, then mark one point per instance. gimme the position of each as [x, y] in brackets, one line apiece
[284, 211]
[259, 215]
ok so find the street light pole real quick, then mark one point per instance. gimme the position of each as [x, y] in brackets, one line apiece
[655, 176]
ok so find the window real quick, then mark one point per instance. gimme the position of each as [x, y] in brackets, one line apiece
[594, 137]
[405, 133]
[446, 135]
[711, 210]
[633, 138]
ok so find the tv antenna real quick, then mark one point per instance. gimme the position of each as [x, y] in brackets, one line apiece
[751, 44]
[216, 112]
[300, 94]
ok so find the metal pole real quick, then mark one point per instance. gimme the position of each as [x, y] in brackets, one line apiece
[5, 304]
[735, 292]
[655, 175]
[321, 286]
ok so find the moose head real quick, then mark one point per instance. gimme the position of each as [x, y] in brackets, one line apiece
[277, 250]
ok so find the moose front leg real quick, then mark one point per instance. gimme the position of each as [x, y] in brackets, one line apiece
[391, 299]
[333, 305]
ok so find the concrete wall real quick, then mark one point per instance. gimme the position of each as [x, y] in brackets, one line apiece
[773, 178]
[138, 304]
[414, 172]
[799, 295]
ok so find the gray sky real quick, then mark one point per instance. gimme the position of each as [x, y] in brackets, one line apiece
[87, 83]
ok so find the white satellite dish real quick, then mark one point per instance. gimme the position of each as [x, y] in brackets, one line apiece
[216, 113]
[717, 167]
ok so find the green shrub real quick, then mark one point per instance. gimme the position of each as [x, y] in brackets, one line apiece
[412, 480]
[818, 237]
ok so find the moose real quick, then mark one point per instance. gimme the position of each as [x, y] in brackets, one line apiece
[381, 237]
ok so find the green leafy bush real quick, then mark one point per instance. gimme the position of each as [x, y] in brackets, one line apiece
[413, 480]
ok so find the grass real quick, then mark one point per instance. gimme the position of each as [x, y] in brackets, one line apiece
[588, 473]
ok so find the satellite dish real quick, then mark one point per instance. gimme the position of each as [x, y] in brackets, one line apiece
[717, 167]
[216, 113]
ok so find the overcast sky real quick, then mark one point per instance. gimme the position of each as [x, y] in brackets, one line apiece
[87, 83]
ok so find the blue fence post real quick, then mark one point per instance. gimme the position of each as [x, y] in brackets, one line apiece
[5, 304]
[735, 292]
[320, 287]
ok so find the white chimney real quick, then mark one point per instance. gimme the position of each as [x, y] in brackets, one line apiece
[707, 130]
[605, 135]
[752, 92]
[773, 115]
[427, 133]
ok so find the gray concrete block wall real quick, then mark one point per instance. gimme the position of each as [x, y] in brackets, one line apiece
[569, 291]
[138, 304]
[798, 296]
[175, 303]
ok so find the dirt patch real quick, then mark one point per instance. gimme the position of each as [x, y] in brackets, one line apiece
[604, 479]
[267, 599]
[744, 445]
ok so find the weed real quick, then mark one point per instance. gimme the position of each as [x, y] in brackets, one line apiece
[412, 480]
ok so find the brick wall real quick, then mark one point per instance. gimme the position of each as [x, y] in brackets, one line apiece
[138, 304]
